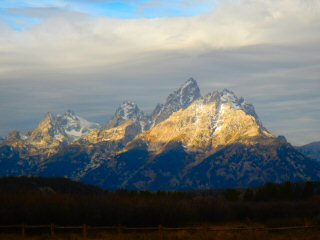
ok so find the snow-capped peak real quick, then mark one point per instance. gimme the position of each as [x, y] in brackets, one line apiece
[69, 113]
[62, 127]
[183, 96]
[191, 82]
[129, 110]
[126, 111]
[188, 92]
[75, 126]
[227, 96]
[179, 99]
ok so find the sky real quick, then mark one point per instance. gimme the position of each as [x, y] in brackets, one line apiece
[89, 56]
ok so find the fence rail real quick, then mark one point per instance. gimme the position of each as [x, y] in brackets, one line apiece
[161, 229]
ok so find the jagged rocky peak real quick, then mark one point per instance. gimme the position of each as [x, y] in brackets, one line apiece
[179, 99]
[224, 96]
[48, 118]
[218, 119]
[74, 125]
[188, 93]
[126, 111]
[70, 113]
[184, 96]
[227, 96]
[66, 127]
[47, 126]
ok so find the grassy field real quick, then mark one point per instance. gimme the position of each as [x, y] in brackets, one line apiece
[177, 234]
[23, 200]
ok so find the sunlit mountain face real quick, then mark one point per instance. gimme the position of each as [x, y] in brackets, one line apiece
[188, 142]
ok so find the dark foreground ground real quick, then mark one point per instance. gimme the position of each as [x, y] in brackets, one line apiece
[39, 209]
[307, 234]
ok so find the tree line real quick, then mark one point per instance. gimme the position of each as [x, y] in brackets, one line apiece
[63, 202]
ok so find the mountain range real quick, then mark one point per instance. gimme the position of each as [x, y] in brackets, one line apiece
[311, 150]
[188, 142]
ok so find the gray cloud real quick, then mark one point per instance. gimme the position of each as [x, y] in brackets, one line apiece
[270, 57]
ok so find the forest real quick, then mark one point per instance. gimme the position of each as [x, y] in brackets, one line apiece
[64, 202]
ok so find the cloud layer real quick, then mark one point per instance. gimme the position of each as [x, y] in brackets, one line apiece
[266, 51]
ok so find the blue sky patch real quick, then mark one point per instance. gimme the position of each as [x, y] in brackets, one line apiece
[102, 8]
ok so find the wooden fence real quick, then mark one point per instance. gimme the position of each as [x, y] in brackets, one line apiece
[52, 229]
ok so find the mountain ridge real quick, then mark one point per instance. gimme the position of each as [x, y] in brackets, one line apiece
[312, 150]
[188, 142]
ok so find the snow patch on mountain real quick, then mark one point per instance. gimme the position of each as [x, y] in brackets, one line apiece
[67, 127]
[127, 111]
[179, 99]
[227, 96]
[219, 121]
[74, 126]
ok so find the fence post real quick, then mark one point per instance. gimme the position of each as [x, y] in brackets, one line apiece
[85, 228]
[120, 228]
[160, 232]
[23, 231]
[205, 229]
[255, 234]
[52, 229]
